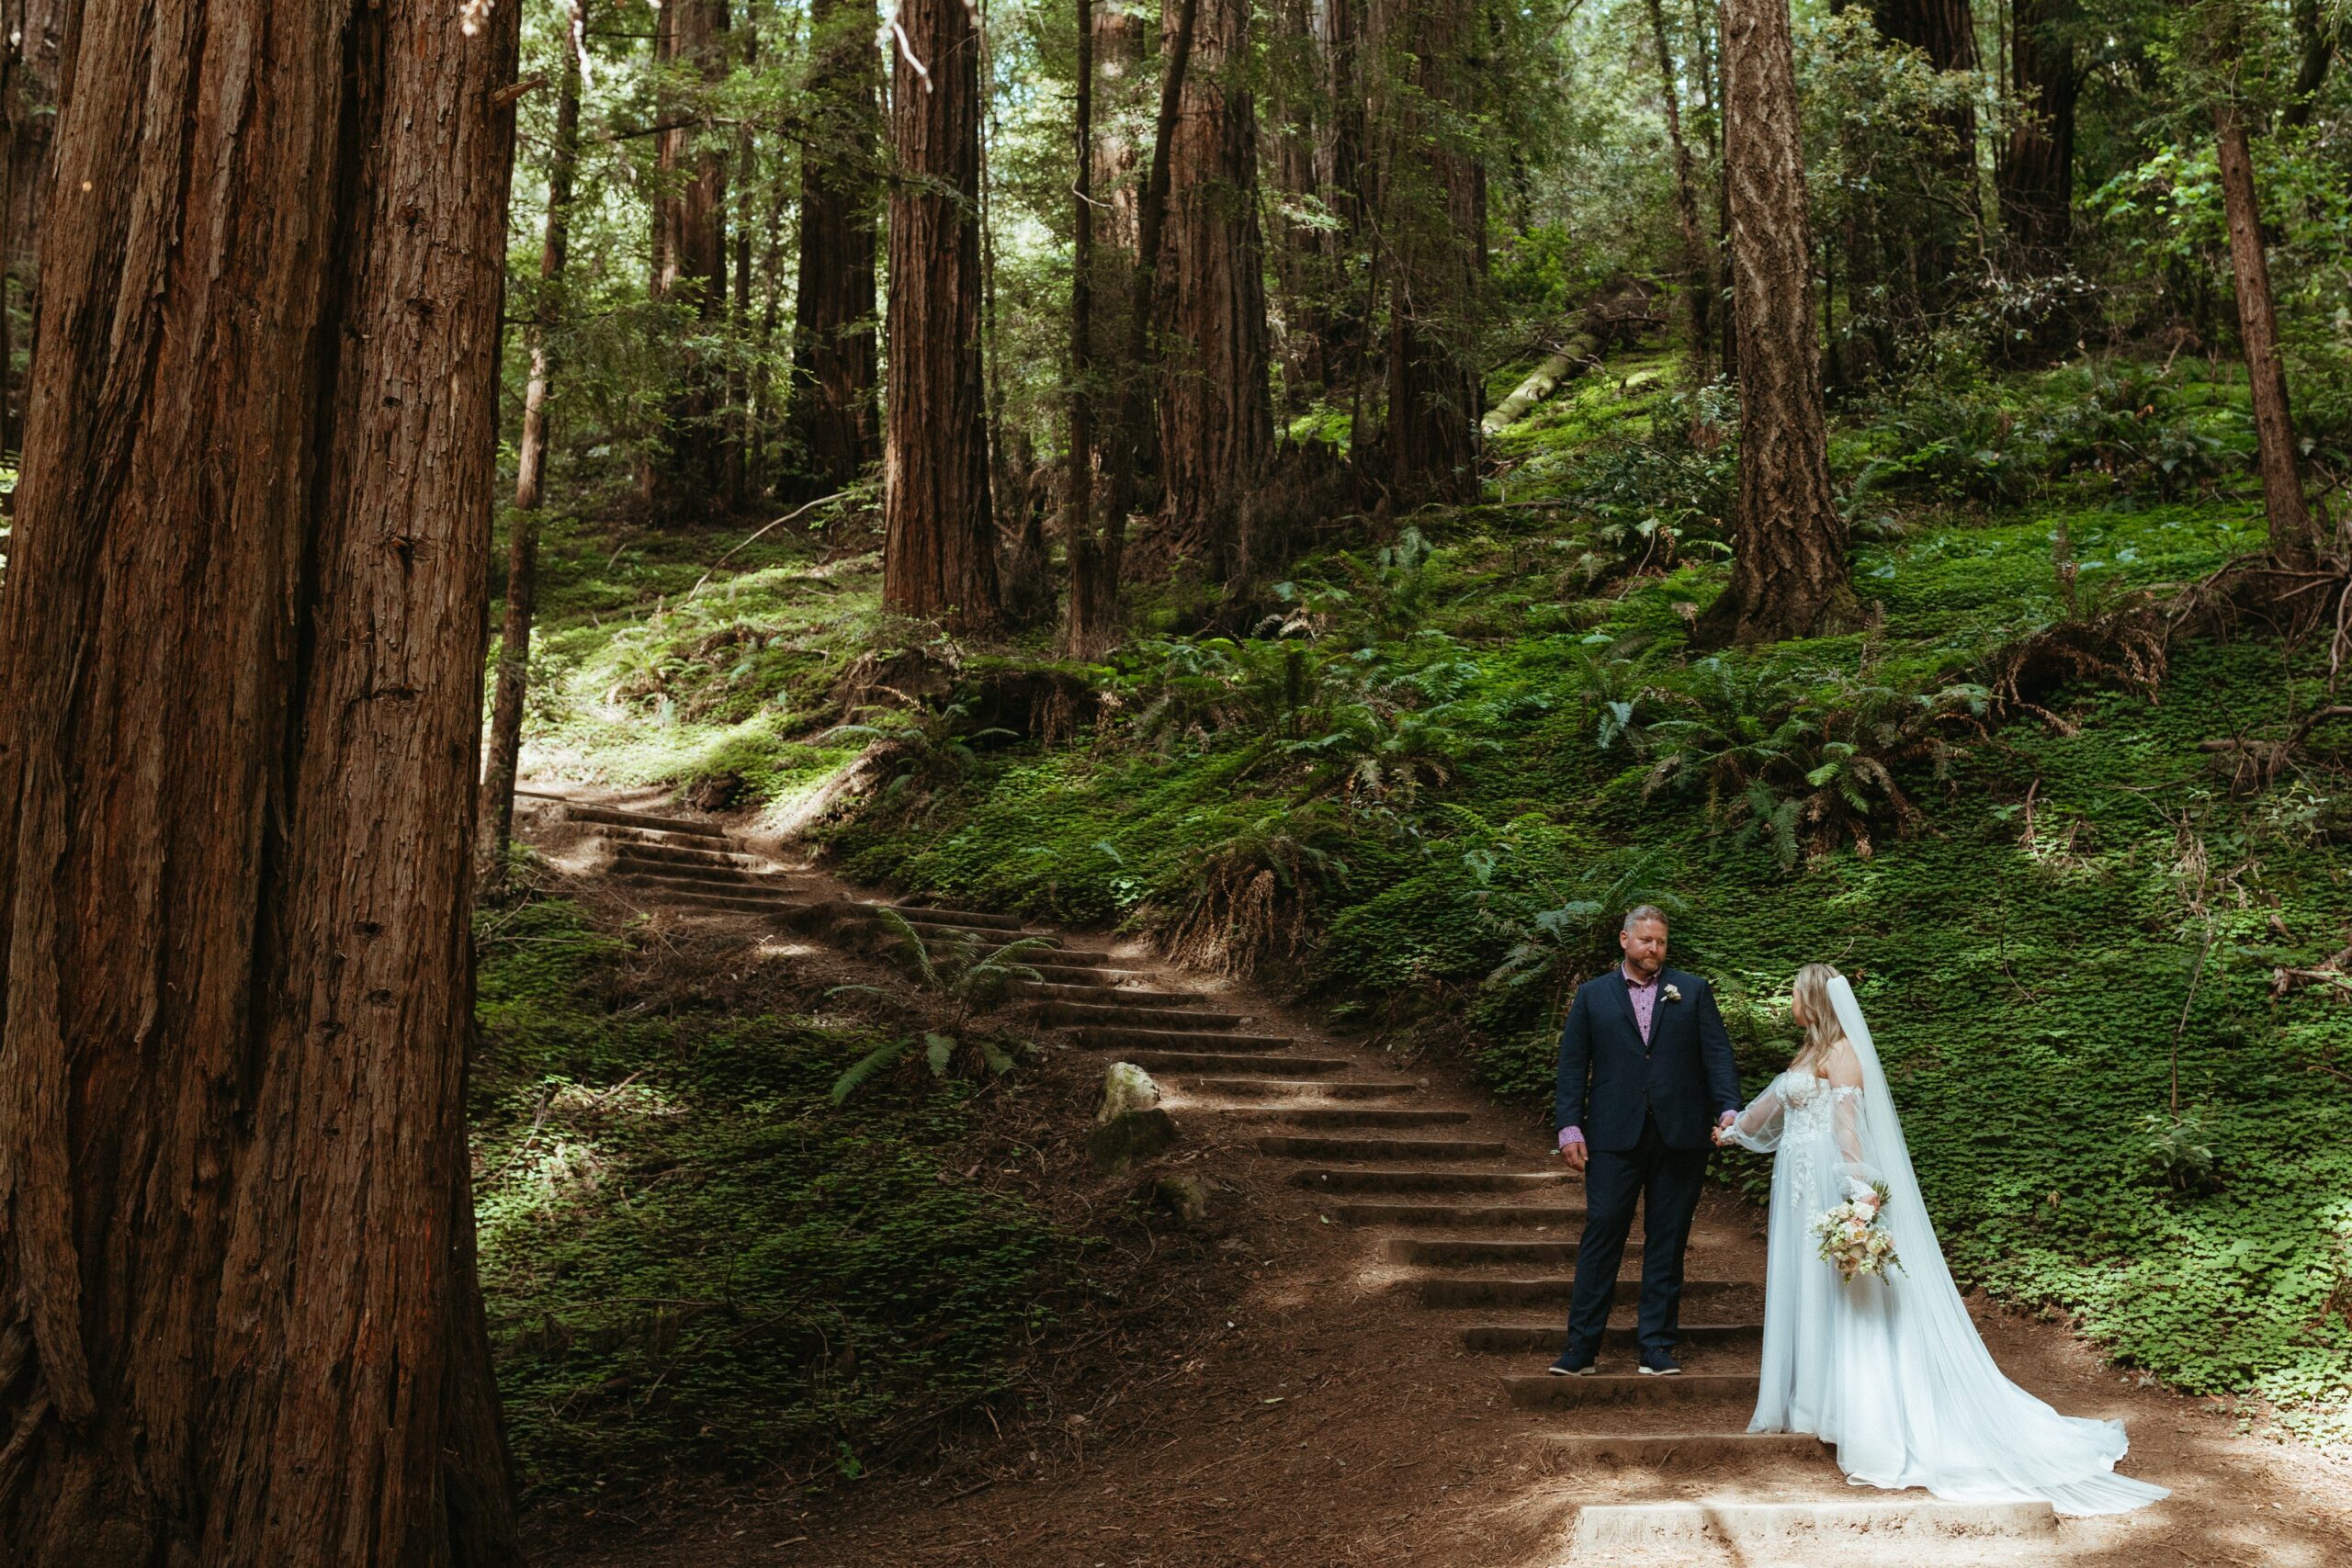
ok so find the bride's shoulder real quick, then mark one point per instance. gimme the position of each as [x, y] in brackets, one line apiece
[1842, 1066]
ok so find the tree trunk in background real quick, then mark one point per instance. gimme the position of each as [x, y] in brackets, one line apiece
[1083, 626]
[1789, 565]
[505, 744]
[1727, 303]
[1341, 172]
[2282, 485]
[741, 437]
[2036, 176]
[1945, 31]
[834, 358]
[939, 544]
[2315, 45]
[1119, 99]
[690, 253]
[1298, 246]
[1698, 277]
[31, 33]
[1217, 417]
[1431, 208]
[239, 1318]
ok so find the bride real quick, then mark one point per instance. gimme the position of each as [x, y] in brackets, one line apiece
[1888, 1367]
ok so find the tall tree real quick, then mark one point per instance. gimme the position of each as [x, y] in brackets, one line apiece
[31, 33]
[1298, 246]
[1217, 417]
[833, 354]
[939, 537]
[2274, 426]
[690, 51]
[242, 622]
[2036, 176]
[1431, 208]
[1698, 277]
[1083, 624]
[1789, 540]
[1343, 172]
[1944, 32]
[512, 676]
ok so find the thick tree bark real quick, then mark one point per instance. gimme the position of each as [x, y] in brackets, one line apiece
[939, 542]
[31, 33]
[1343, 173]
[1216, 416]
[505, 747]
[1119, 76]
[2274, 426]
[1432, 210]
[1698, 277]
[833, 350]
[1788, 541]
[1298, 248]
[690, 254]
[239, 1321]
[1082, 624]
[2036, 177]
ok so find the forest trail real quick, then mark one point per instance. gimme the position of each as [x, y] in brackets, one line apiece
[1380, 1396]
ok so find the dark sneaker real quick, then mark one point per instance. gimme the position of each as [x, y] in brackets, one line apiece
[1572, 1364]
[1658, 1364]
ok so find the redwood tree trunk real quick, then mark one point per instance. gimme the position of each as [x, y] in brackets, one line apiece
[505, 746]
[1343, 173]
[1945, 31]
[239, 1321]
[1698, 277]
[1432, 211]
[1789, 565]
[1299, 264]
[834, 355]
[1083, 624]
[31, 33]
[2037, 171]
[690, 255]
[939, 544]
[2274, 427]
[1216, 416]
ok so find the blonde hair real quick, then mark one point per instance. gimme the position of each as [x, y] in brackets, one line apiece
[1821, 1029]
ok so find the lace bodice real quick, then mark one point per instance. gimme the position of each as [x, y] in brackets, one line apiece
[1811, 1121]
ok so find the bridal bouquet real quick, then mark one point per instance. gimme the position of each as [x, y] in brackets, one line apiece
[1854, 1241]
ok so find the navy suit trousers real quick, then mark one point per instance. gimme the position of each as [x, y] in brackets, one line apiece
[1666, 1182]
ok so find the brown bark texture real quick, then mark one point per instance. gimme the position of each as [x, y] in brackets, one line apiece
[242, 637]
[1300, 267]
[690, 44]
[939, 537]
[1698, 275]
[835, 356]
[1217, 417]
[2315, 48]
[503, 749]
[1431, 208]
[32, 34]
[1084, 623]
[1120, 100]
[2274, 426]
[1789, 540]
[2036, 178]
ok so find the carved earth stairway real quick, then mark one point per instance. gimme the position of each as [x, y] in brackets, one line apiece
[1482, 1238]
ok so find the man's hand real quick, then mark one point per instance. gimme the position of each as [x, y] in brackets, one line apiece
[1723, 1139]
[1573, 1152]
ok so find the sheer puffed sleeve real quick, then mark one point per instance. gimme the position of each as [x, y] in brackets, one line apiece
[1759, 1125]
[1845, 1119]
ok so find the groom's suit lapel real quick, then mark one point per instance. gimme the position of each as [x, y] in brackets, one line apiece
[1612, 986]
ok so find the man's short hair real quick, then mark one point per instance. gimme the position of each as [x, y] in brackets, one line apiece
[1641, 912]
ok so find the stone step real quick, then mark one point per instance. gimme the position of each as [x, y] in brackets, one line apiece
[709, 876]
[1097, 1037]
[1687, 1451]
[1458, 1251]
[1220, 1062]
[1350, 1115]
[612, 835]
[1543, 1391]
[1310, 1145]
[745, 903]
[1411, 1181]
[1745, 1526]
[1259, 1089]
[1114, 1012]
[944, 914]
[680, 854]
[1460, 1214]
[614, 816]
[1546, 1338]
[1472, 1290]
[1092, 992]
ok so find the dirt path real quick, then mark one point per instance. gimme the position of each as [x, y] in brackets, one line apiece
[1404, 1250]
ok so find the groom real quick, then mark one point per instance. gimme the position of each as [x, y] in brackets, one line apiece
[1646, 1077]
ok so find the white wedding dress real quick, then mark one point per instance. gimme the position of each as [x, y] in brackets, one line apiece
[1891, 1371]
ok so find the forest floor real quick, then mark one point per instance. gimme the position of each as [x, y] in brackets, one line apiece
[1304, 1408]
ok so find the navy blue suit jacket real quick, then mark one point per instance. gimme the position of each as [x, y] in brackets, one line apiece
[1610, 1080]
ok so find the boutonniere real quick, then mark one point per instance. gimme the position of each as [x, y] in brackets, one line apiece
[1671, 992]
